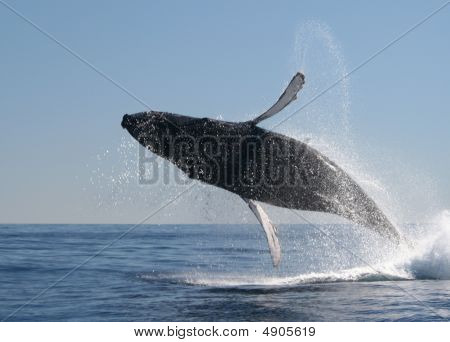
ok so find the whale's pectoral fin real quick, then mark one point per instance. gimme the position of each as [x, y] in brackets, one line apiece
[289, 95]
[269, 229]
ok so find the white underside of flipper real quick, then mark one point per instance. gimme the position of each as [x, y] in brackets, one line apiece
[289, 95]
[269, 229]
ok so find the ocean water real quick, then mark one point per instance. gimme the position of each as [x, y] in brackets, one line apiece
[220, 273]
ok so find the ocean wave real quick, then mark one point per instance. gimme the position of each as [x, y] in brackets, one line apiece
[427, 258]
[351, 275]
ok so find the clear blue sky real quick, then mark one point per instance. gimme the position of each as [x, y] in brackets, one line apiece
[206, 58]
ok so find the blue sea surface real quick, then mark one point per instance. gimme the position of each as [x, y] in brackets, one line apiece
[215, 273]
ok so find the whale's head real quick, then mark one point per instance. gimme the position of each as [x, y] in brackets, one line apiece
[148, 128]
[153, 129]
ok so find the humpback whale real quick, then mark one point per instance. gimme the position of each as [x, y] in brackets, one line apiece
[259, 165]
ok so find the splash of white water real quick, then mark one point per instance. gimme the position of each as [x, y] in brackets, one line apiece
[428, 259]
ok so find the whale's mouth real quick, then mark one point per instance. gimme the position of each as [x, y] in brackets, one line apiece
[125, 121]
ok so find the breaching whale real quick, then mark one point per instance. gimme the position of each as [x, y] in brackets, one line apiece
[259, 165]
